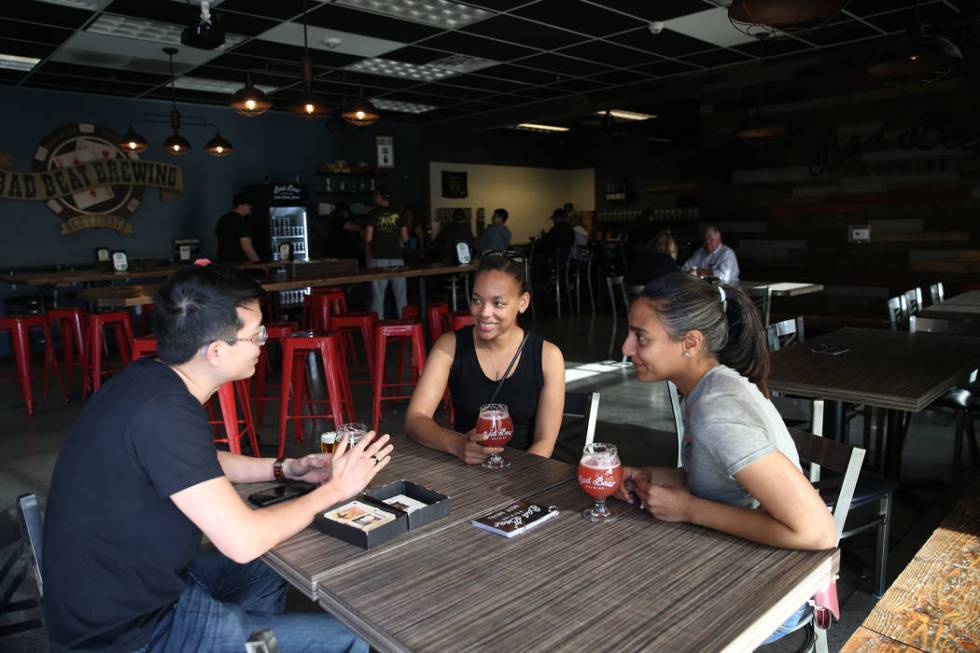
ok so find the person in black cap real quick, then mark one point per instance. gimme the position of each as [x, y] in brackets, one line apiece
[385, 235]
[234, 233]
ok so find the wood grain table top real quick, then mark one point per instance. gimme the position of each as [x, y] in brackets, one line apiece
[311, 556]
[971, 297]
[136, 295]
[635, 584]
[950, 311]
[886, 369]
[784, 288]
[934, 604]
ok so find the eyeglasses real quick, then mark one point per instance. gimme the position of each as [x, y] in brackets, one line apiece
[259, 339]
[508, 254]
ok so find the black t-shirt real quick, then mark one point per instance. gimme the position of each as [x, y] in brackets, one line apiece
[645, 266]
[232, 227]
[115, 545]
[470, 388]
[386, 241]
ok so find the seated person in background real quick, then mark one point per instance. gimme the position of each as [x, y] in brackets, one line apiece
[139, 479]
[561, 236]
[741, 473]
[714, 259]
[457, 230]
[472, 361]
[651, 260]
[581, 246]
[497, 235]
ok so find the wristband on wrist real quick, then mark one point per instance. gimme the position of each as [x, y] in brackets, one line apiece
[277, 470]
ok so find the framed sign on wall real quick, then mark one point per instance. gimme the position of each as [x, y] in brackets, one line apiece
[386, 151]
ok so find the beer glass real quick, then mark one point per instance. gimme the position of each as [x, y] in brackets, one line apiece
[495, 428]
[599, 474]
[354, 432]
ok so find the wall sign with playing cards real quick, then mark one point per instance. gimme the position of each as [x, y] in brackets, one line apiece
[85, 179]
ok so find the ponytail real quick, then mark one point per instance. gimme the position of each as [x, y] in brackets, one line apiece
[724, 315]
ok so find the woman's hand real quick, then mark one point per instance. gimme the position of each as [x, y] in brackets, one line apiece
[665, 502]
[471, 452]
[314, 468]
[628, 486]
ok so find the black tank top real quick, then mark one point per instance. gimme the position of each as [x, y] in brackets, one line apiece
[470, 388]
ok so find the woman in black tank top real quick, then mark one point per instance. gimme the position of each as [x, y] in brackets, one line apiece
[472, 361]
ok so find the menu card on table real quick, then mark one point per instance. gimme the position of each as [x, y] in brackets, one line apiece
[515, 518]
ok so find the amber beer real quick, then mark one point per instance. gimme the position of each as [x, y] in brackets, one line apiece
[328, 441]
[599, 480]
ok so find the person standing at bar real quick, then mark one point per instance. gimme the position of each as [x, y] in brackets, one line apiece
[715, 259]
[385, 235]
[234, 233]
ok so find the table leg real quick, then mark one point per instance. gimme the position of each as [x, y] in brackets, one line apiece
[893, 444]
[424, 307]
[834, 425]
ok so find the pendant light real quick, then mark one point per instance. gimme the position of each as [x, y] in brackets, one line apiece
[360, 112]
[757, 130]
[308, 105]
[915, 57]
[786, 16]
[218, 146]
[175, 144]
[133, 142]
[250, 101]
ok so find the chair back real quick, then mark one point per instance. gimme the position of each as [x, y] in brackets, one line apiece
[936, 292]
[583, 405]
[785, 333]
[897, 313]
[951, 327]
[675, 409]
[913, 300]
[30, 521]
[761, 296]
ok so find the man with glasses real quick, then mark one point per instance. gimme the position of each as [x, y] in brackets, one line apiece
[138, 481]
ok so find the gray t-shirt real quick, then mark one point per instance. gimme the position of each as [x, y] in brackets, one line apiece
[728, 425]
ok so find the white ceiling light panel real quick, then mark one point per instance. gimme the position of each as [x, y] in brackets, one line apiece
[216, 85]
[463, 63]
[401, 70]
[538, 127]
[15, 62]
[439, 13]
[711, 26]
[148, 30]
[90, 5]
[401, 107]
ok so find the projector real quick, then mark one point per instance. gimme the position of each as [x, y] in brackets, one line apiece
[204, 33]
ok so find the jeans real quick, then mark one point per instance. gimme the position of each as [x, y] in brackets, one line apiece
[790, 624]
[224, 602]
[398, 287]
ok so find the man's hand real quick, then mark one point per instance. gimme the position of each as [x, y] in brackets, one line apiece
[353, 469]
[471, 452]
[314, 468]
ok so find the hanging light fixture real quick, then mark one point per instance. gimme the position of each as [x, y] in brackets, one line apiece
[756, 130]
[915, 57]
[175, 143]
[250, 101]
[308, 105]
[133, 142]
[360, 112]
[218, 146]
[787, 16]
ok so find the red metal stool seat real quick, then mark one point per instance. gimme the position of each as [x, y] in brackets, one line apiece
[410, 312]
[71, 323]
[277, 331]
[122, 327]
[438, 315]
[236, 427]
[143, 346]
[146, 318]
[20, 327]
[459, 319]
[412, 329]
[364, 322]
[294, 378]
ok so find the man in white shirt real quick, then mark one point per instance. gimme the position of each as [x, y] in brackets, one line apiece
[714, 259]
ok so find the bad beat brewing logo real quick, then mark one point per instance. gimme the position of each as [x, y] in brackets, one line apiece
[86, 180]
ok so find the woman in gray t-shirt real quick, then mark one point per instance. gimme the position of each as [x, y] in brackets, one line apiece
[741, 474]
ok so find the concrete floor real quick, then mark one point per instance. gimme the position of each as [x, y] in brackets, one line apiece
[628, 412]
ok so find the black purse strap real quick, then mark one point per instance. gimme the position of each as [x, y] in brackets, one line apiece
[510, 366]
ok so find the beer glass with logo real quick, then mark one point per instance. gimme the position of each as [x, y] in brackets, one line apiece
[599, 474]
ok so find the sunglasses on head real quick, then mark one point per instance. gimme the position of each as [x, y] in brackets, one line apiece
[508, 254]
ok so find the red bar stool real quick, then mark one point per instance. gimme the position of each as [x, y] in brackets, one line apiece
[122, 327]
[334, 298]
[146, 318]
[236, 427]
[316, 312]
[459, 319]
[386, 329]
[438, 315]
[70, 321]
[20, 327]
[294, 377]
[410, 312]
[365, 322]
[143, 346]
[277, 331]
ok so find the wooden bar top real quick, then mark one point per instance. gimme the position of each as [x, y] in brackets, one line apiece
[886, 369]
[934, 604]
[568, 585]
[311, 556]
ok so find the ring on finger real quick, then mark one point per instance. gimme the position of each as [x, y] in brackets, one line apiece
[376, 460]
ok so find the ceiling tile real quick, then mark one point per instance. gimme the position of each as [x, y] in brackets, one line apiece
[839, 33]
[438, 88]
[868, 7]
[91, 49]
[579, 85]
[238, 61]
[772, 47]
[711, 25]
[719, 57]
[43, 13]
[518, 30]
[292, 53]
[319, 38]
[893, 21]
[578, 16]
[100, 85]
[415, 54]
[520, 74]
[11, 76]
[656, 10]
[668, 43]
[565, 65]
[98, 72]
[354, 77]
[620, 77]
[25, 49]
[461, 43]
[281, 10]
[167, 12]
[664, 68]
[484, 83]
[608, 54]
[21, 31]
[359, 22]
[538, 93]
